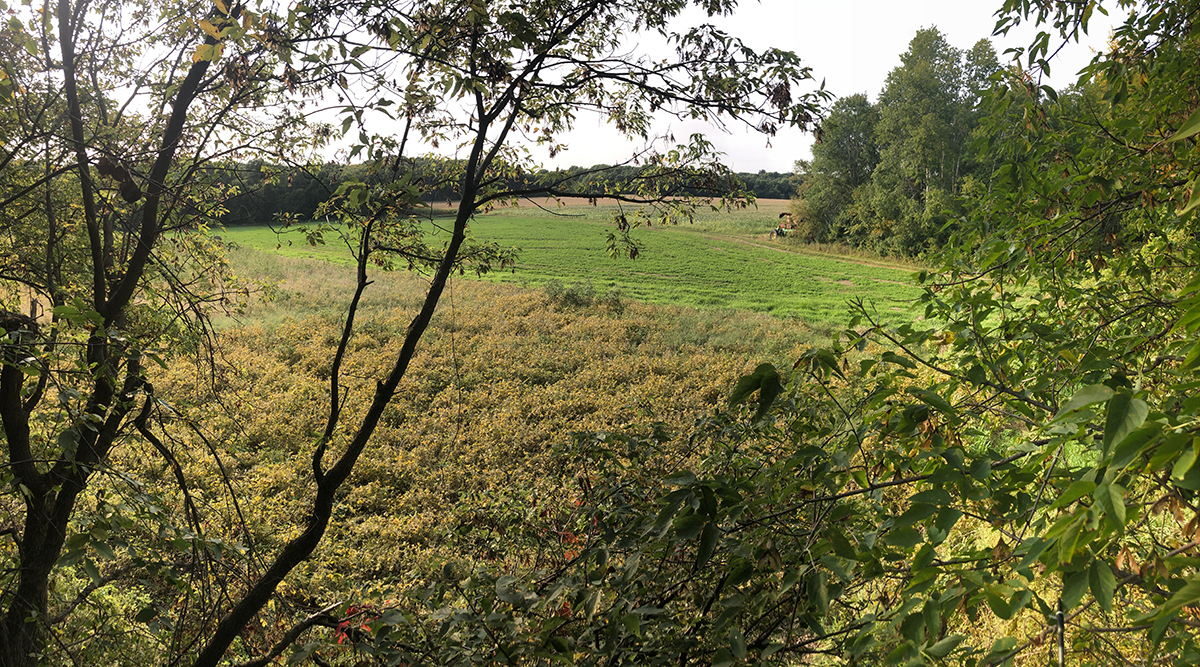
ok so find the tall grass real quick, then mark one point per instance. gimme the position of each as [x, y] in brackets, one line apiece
[503, 375]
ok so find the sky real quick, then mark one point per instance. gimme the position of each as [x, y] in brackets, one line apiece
[851, 44]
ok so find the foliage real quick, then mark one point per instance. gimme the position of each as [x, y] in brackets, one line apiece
[101, 278]
[468, 438]
[1015, 470]
[769, 184]
[843, 159]
[888, 176]
[581, 295]
[105, 207]
[1028, 446]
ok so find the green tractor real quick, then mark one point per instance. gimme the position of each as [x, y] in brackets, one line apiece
[788, 224]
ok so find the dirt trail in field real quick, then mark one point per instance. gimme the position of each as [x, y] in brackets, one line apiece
[839, 258]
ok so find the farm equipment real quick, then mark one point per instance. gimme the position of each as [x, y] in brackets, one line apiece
[788, 223]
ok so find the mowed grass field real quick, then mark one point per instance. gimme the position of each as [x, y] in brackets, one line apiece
[723, 260]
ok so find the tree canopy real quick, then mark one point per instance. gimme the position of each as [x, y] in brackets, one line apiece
[120, 123]
[1012, 473]
[888, 175]
[1013, 477]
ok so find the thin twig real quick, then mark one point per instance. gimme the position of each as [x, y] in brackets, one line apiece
[320, 617]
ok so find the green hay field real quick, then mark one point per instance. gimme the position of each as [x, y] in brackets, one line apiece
[724, 260]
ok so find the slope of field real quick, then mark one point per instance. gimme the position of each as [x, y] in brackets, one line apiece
[722, 260]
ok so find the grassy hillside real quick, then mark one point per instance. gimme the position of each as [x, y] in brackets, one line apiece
[723, 260]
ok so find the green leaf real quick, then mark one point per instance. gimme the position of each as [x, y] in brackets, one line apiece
[764, 380]
[981, 469]
[1133, 445]
[818, 591]
[1068, 543]
[1111, 497]
[104, 550]
[841, 545]
[1190, 127]
[92, 571]
[633, 624]
[1074, 586]
[789, 580]
[1096, 393]
[918, 512]
[947, 518]
[933, 497]
[72, 314]
[1186, 596]
[737, 643]
[689, 526]
[1160, 628]
[893, 358]
[1103, 584]
[302, 653]
[1189, 322]
[1077, 490]
[1125, 415]
[590, 605]
[770, 650]
[722, 658]
[998, 605]
[944, 647]
[1003, 646]
[68, 440]
[1186, 460]
[1193, 201]
[1193, 356]
[903, 537]
[1166, 451]
[933, 400]
[932, 611]
[681, 478]
[708, 543]
[146, 615]
[976, 375]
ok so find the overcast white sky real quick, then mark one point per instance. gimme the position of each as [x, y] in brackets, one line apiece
[851, 44]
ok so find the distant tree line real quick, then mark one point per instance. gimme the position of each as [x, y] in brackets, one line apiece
[771, 184]
[890, 175]
[266, 192]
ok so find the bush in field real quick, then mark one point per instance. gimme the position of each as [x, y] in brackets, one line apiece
[582, 295]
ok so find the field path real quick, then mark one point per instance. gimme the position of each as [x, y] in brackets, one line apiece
[827, 255]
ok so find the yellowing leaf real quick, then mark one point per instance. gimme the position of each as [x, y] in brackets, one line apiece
[210, 52]
[210, 30]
